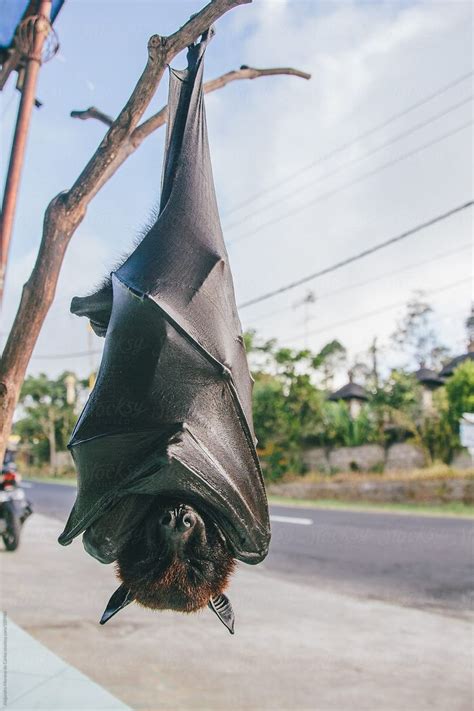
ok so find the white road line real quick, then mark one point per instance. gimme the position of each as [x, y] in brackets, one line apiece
[291, 519]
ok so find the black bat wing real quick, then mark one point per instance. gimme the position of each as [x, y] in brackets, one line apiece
[171, 411]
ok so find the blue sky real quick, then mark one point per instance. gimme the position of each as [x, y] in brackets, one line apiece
[368, 61]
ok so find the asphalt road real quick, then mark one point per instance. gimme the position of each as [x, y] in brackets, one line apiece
[416, 561]
[296, 646]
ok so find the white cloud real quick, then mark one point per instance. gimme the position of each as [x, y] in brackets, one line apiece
[368, 61]
[85, 264]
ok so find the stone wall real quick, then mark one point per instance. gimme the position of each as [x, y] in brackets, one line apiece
[366, 458]
[64, 460]
[427, 491]
[462, 460]
[316, 460]
[404, 456]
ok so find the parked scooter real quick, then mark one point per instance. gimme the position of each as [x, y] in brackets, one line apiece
[14, 506]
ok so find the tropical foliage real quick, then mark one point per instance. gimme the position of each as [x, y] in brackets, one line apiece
[290, 400]
[46, 418]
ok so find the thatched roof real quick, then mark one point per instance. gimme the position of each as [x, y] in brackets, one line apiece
[450, 367]
[428, 377]
[351, 391]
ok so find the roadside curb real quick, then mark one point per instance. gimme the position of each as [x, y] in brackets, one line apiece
[35, 678]
[352, 507]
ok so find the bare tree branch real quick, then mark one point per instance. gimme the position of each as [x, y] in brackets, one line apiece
[92, 112]
[159, 118]
[66, 211]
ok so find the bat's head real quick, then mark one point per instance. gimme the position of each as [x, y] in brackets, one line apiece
[177, 559]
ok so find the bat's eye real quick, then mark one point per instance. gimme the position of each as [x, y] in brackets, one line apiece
[167, 518]
[178, 520]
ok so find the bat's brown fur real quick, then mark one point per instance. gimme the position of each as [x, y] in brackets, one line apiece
[184, 577]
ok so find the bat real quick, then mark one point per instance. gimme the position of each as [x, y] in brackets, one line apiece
[169, 483]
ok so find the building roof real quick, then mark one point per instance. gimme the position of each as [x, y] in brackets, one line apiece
[350, 391]
[428, 377]
[450, 367]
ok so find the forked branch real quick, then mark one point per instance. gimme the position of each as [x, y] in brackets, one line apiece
[159, 118]
[66, 211]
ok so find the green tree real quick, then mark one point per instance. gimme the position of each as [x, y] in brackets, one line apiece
[339, 429]
[269, 414]
[329, 359]
[440, 430]
[287, 405]
[416, 336]
[436, 432]
[400, 391]
[46, 417]
[397, 407]
[460, 394]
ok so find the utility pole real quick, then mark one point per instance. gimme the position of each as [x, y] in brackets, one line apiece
[31, 34]
[306, 301]
[373, 350]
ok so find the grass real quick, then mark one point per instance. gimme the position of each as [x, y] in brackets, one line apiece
[66, 481]
[450, 508]
[435, 471]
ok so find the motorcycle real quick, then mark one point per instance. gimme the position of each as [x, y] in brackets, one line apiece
[14, 506]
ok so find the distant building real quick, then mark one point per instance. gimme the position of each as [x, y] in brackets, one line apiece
[429, 381]
[353, 394]
[450, 367]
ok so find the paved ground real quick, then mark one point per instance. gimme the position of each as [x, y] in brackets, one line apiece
[298, 644]
[35, 678]
[417, 561]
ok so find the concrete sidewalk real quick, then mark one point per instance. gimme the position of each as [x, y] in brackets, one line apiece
[35, 678]
[295, 647]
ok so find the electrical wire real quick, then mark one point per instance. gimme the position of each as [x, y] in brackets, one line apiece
[361, 344]
[375, 312]
[351, 183]
[463, 248]
[320, 160]
[349, 287]
[59, 356]
[351, 142]
[351, 162]
[359, 255]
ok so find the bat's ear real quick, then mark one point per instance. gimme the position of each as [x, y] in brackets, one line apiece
[120, 599]
[223, 609]
[96, 307]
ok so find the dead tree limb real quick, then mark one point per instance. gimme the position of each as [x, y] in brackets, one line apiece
[159, 118]
[94, 113]
[66, 211]
[135, 139]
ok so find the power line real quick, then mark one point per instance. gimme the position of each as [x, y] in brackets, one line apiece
[352, 161]
[347, 144]
[351, 183]
[349, 287]
[59, 356]
[359, 255]
[359, 344]
[374, 312]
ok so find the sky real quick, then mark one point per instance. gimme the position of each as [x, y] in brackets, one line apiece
[298, 190]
